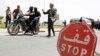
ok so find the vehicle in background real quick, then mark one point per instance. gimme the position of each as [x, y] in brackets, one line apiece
[85, 20]
[89, 21]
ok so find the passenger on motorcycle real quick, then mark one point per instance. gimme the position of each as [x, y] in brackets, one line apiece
[37, 14]
[35, 22]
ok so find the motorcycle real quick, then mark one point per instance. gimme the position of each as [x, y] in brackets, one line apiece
[19, 23]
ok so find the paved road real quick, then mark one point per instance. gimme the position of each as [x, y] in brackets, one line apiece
[26, 45]
[37, 45]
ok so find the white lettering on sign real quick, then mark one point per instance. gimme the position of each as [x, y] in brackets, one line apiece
[76, 39]
[74, 50]
[83, 52]
[63, 47]
[69, 47]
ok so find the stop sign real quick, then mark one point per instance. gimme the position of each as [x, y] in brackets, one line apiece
[77, 39]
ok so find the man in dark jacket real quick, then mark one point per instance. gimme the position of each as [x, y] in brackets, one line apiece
[37, 16]
[51, 13]
[31, 17]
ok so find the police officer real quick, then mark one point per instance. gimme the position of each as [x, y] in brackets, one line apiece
[51, 13]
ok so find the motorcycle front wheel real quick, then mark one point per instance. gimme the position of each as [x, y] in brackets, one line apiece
[13, 29]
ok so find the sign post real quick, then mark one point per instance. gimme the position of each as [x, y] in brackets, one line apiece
[77, 39]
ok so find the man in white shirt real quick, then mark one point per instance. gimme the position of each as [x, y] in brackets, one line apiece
[8, 16]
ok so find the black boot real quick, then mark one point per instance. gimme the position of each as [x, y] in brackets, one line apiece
[48, 36]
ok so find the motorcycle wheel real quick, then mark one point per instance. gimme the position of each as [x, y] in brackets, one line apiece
[13, 29]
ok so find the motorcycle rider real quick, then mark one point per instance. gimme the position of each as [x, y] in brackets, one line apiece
[31, 17]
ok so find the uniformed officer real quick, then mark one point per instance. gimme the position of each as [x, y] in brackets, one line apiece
[51, 13]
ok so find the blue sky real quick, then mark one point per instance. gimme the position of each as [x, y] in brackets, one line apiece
[66, 8]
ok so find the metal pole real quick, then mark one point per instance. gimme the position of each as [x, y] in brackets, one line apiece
[44, 10]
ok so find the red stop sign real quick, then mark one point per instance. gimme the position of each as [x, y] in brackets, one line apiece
[77, 39]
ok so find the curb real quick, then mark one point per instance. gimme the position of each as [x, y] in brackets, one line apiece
[41, 30]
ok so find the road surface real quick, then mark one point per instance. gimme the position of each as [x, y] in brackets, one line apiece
[37, 45]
